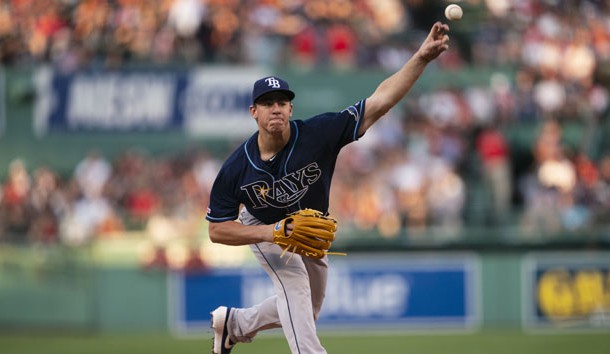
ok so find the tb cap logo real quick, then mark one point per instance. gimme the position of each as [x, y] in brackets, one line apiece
[273, 82]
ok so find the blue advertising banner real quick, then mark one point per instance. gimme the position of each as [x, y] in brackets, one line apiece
[563, 291]
[206, 101]
[421, 292]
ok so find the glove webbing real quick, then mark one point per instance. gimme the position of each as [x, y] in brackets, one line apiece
[287, 249]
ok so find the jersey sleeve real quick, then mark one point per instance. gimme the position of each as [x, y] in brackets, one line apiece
[339, 127]
[224, 203]
[355, 114]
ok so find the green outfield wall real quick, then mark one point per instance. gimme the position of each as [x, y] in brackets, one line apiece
[64, 288]
[68, 291]
[72, 289]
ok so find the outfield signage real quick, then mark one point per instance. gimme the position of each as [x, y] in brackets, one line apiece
[563, 291]
[210, 101]
[429, 292]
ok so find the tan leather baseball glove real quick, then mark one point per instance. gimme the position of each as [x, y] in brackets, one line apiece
[311, 236]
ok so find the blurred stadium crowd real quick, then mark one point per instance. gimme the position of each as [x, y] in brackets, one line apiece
[73, 33]
[415, 171]
[566, 35]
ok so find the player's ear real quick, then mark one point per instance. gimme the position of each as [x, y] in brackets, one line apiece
[252, 110]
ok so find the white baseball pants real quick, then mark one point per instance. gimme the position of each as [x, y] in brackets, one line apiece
[300, 286]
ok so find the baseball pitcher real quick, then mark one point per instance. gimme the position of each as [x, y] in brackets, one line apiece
[276, 185]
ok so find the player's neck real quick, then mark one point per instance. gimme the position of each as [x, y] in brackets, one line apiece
[270, 144]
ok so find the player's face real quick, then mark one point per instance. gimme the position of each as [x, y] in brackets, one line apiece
[272, 112]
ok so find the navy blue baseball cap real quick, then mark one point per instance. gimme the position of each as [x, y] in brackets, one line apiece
[270, 84]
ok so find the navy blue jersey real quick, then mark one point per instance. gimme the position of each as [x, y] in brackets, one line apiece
[298, 177]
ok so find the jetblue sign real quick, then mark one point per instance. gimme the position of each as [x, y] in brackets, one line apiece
[431, 292]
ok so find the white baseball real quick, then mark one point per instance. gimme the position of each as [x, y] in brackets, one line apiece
[453, 12]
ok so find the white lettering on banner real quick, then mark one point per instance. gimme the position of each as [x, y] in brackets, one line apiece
[216, 99]
[384, 295]
[121, 102]
[347, 294]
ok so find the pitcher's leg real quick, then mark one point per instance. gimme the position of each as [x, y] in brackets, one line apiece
[317, 269]
[294, 298]
[245, 323]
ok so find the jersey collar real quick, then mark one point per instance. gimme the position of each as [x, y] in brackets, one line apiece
[254, 155]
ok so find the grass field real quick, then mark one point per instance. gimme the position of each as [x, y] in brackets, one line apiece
[487, 342]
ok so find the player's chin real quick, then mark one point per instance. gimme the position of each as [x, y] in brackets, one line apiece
[277, 125]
